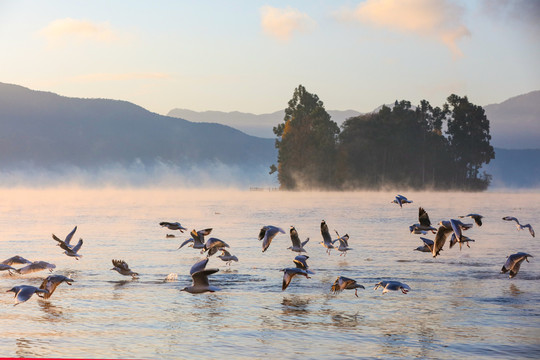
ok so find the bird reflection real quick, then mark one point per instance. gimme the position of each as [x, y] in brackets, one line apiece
[294, 305]
[52, 312]
[514, 290]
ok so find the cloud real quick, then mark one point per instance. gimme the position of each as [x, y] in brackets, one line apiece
[282, 23]
[440, 19]
[521, 13]
[61, 30]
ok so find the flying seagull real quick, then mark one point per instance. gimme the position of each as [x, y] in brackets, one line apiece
[199, 275]
[172, 226]
[400, 200]
[301, 262]
[197, 238]
[297, 245]
[74, 251]
[513, 263]
[65, 244]
[343, 283]
[424, 224]
[51, 283]
[392, 286]
[289, 273]
[123, 268]
[327, 239]
[427, 247]
[213, 245]
[267, 234]
[37, 266]
[518, 225]
[227, 257]
[24, 292]
[476, 217]
[343, 243]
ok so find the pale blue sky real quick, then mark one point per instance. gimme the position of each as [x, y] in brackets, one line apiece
[250, 55]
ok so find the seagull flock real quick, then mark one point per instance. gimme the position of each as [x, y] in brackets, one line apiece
[452, 228]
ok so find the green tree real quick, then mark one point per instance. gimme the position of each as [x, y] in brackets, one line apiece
[306, 144]
[469, 140]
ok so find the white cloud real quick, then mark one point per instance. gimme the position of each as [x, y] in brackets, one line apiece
[439, 19]
[282, 23]
[61, 30]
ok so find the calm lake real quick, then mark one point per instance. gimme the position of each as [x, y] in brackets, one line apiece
[460, 306]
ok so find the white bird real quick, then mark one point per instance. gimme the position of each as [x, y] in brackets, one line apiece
[213, 245]
[427, 247]
[51, 283]
[16, 260]
[297, 245]
[343, 283]
[424, 224]
[513, 263]
[518, 225]
[65, 244]
[301, 262]
[392, 286]
[267, 234]
[123, 268]
[343, 244]
[172, 226]
[199, 275]
[476, 217]
[289, 273]
[464, 240]
[24, 292]
[74, 251]
[227, 257]
[197, 238]
[440, 238]
[37, 266]
[327, 239]
[400, 200]
[4, 267]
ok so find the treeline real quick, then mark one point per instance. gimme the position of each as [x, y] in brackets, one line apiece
[422, 147]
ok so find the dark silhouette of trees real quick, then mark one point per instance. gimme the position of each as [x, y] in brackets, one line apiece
[398, 146]
[306, 144]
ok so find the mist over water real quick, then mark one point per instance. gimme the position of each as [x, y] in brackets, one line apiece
[459, 305]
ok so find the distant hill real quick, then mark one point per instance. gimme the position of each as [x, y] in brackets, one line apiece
[515, 123]
[44, 130]
[515, 169]
[256, 125]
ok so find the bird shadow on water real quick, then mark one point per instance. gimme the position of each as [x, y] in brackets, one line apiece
[51, 312]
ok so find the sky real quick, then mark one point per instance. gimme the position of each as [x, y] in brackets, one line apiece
[249, 55]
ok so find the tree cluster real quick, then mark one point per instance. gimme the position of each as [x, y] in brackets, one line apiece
[422, 147]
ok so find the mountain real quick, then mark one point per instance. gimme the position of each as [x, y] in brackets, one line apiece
[256, 125]
[45, 130]
[515, 123]
[515, 169]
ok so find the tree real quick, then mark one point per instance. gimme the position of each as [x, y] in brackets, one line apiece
[468, 136]
[306, 144]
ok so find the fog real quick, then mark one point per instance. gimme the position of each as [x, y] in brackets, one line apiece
[137, 174]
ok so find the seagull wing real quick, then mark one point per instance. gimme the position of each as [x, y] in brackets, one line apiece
[70, 235]
[200, 278]
[440, 239]
[295, 239]
[198, 266]
[77, 247]
[423, 217]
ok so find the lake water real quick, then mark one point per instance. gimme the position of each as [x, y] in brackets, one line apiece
[460, 306]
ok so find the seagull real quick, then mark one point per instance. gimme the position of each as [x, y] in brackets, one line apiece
[36, 266]
[51, 283]
[4, 267]
[297, 246]
[200, 274]
[16, 260]
[212, 245]
[289, 273]
[392, 285]
[518, 225]
[301, 262]
[514, 262]
[427, 247]
[123, 268]
[24, 292]
[172, 226]
[267, 234]
[440, 238]
[65, 244]
[400, 200]
[343, 283]
[227, 257]
[197, 238]
[476, 217]
[424, 224]
[73, 252]
[464, 240]
[327, 239]
[343, 243]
